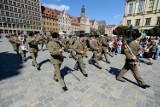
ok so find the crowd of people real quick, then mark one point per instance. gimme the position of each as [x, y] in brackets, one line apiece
[78, 46]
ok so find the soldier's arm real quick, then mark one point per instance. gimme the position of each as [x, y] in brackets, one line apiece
[104, 42]
[128, 53]
[75, 48]
[53, 50]
[92, 45]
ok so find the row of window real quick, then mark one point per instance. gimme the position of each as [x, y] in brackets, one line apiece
[50, 23]
[20, 26]
[51, 29]
[17, 15]
[20, 10]
[140, 6]
[4, 19]
[147, 22]
[20, 3]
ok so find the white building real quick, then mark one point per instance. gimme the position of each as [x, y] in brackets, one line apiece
[94, 24]
[87, 29]
[142, 14]
[64, 22]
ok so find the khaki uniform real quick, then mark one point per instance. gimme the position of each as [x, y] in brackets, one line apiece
[94, 45]
[56, 60]
[33, 49]
[105, 46]
[42, 41]
[78, 47]
[23, 52]
[15, 43]
[130, 63]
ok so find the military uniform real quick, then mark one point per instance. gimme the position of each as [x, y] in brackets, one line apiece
[94, 45]
[78, 48]
[33, 49]
[130, 64]
[42, 41]
[23, 51]
[15, 43]
[105, 46]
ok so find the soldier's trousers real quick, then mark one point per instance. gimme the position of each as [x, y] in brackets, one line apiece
[16, 48]
[57, 74]
[23, 54]
[34, 56]
[95, 56]
[42, 44]
[134, 71]
[104, 52]
[80, 64]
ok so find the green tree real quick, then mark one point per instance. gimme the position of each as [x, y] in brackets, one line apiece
[154, 31]
[120, 30]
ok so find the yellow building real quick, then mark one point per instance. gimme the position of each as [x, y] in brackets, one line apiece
[142, 14]
[50, 20]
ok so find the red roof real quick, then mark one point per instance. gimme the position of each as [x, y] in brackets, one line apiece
[74, 20]
[52, 13]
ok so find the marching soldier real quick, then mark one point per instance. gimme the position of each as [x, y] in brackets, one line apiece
[56, 49]
[131, 61]
[96, 48]
[33, 49]
[23, 46]
[42, 41]
[105, 46]
[15, 43]
[79, 49]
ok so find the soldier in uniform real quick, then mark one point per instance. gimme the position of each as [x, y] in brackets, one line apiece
[105, 46]
[131, 61]
[23, 46]
[96, 48]
[15, 43]
[56, 49]
[79, 49]
[42, 41]
[33, 49]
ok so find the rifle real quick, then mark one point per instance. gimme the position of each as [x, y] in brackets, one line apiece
[136, 61]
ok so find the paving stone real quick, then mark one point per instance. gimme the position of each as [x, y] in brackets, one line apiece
[34, 88]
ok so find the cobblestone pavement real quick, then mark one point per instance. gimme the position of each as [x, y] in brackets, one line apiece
[21, 85]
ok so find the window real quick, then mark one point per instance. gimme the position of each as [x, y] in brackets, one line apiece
[12, 14]
[128, 22]
[158, 20]
[130, 8]
[151, 3]
[10, 2]
[11, 8]
[137, 22]
[1, 6]
[148, 20]
[7, 13]
[140, 6]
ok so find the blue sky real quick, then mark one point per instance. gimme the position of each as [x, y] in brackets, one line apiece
[111, 11]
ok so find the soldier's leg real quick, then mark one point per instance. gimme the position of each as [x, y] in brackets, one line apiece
[100, 56]
[34, 62]
[76, 66]
[58, 74]
[22, 55]
[96, 59]
[106, 57]
[136, 75]
[123, 71]
[55, 76]
[81, 64]
[90, 60]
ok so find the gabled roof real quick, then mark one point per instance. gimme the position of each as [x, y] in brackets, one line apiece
[101, 22]
[74, 20]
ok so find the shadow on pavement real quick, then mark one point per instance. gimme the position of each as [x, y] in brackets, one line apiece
[44, 61]
[9, 65]
[114, 71]
[66, 70]
[29, 57]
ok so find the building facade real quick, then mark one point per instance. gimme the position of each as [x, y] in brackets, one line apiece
[94, 24]
[142, 14]
[87, 26]
[20, 16]
[64, 22]
[49, 20]
[75, 25]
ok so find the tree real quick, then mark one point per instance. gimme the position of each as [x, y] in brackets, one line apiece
[120, 30]
[154, 31]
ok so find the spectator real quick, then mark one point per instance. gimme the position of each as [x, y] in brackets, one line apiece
[119, 45]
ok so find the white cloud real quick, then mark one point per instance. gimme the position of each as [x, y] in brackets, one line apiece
[117, 16]
[58, 7]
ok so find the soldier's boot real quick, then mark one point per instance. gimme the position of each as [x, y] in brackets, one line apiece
[76, 66]
[55, 78]
[38, 67]
[90, 61]
[97, 64]
[64, 88]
